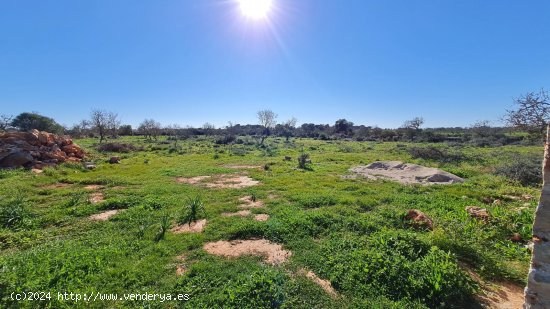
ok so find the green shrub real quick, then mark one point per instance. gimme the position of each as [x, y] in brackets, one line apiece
[193, 211]
[526, 169]
[435, 154]
[303, 160]
[13, 212]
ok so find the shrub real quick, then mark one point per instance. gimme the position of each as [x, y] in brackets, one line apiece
[303, 160]
[526, 170]
[435, 154]
[194, 209]
[117, 147]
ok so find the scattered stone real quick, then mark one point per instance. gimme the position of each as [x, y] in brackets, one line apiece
[273, 253]
[89, 166]
[37, 171]
[104, 216]
[194, 227]
[114, 160]
[242, 213]
[261, 217]
[478, 213]
[36, 149]
[96, 198]
[406, 173]
[250, 203]
[419, 219]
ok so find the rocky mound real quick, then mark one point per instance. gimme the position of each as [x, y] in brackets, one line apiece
[36, 149]
[406, 173]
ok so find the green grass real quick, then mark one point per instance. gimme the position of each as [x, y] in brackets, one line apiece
[348, 231]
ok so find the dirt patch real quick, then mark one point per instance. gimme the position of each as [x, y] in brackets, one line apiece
[242, 213]
[181, 269]
[194, 227]
[250, 203]
[406, 173]
[503, 295]
[60, 185]
[243, 166]
[273, 253]
[97, 197]
[324, 284]
[93, 187]
[261, 217]
[104, 216]
[192, 180]
[220, 181]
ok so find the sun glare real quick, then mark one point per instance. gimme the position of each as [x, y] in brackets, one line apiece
[255, 9]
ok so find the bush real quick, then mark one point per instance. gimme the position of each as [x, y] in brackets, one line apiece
[435, 154]
[194, 209]
[303, 160]
[526, 170]
[118, 147]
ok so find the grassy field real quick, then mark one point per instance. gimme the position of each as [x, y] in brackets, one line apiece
[350, 232]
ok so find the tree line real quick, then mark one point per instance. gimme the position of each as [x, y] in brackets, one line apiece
[530, 115]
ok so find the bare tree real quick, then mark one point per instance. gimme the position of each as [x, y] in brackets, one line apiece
[5, 122]
[103, 123]
[175, 131]
[267, 119]
[481, 128]
[413, 124]
[532, 113]
[208, 128]
[150, 128]
[288, 127]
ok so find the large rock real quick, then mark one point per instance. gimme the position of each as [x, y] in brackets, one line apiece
[36, 149]
[406, 173]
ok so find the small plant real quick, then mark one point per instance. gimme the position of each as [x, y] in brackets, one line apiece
[253, 197]
[74, 199]
[164, 226]
[193, 211]
[216, 156]
[13, 213]
[303, 160]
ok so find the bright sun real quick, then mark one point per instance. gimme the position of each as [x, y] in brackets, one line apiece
[255, 9]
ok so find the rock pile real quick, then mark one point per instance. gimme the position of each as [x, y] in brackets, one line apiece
[36, 149]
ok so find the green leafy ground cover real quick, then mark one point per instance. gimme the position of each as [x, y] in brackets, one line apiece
[348, 231]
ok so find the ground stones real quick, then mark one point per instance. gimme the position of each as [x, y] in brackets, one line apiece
[419, 219]
[478, 213]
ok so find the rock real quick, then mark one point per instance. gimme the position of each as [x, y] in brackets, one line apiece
[308, 161]
[17, 159]
[516, 237]
[89, 166]
[478, 213]
[419, 219]
[114, 160]
[36, 149]
[406, 173]
[497, 202]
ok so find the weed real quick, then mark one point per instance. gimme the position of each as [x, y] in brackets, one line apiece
[193, 211]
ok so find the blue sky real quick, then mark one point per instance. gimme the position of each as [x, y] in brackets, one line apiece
[190, 62]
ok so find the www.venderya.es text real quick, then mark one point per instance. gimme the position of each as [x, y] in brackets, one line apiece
[98, 296]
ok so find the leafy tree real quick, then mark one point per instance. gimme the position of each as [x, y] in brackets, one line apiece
[125, 130]
[532, 113]
[342, 126]
[29, 121]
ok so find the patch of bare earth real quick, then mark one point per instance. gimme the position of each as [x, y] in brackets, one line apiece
[104, 216]
[182, 266]
[324, 284]
[261, 217]
[273, 253]
[242, 213]
[499, 295]
[243, 166]
[96, 197]
[249, 202]
[222, 181]
[60, 185]
[406, 173]
[193, 227]
[93, 187]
